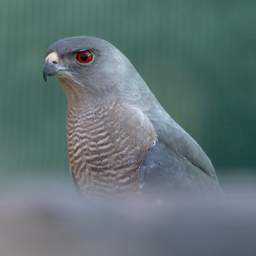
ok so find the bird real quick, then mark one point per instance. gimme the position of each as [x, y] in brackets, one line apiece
[119, 138]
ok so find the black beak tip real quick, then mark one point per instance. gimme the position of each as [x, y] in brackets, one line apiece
[45, 76]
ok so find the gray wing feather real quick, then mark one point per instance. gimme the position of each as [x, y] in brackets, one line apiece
[164, 170]
[179, 141]
[171, 134]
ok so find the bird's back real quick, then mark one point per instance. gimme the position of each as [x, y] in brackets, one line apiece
[177, 161]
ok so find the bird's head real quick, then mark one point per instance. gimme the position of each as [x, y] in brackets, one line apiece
[89, 65]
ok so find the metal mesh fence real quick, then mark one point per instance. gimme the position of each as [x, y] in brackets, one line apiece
[197, 56]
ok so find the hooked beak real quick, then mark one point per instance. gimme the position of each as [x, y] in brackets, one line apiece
[52, 66]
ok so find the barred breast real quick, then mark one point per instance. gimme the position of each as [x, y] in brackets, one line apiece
[106, 145]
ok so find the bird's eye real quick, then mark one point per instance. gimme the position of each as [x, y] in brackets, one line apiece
[85, 56]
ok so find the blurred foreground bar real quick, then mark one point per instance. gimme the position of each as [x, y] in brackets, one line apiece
[57, 223]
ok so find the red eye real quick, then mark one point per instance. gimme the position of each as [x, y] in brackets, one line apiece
[85, 56]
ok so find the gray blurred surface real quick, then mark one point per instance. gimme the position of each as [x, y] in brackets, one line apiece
[55, 221]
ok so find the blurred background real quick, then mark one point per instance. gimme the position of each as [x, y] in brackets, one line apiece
[198, 57]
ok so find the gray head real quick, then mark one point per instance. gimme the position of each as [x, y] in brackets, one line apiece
[91, 65]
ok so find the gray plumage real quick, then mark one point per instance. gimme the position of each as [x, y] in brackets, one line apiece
[119, 136]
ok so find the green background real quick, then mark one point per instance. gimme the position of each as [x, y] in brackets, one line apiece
[198, 57]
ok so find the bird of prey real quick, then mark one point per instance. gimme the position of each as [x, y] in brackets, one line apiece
[119, 137]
